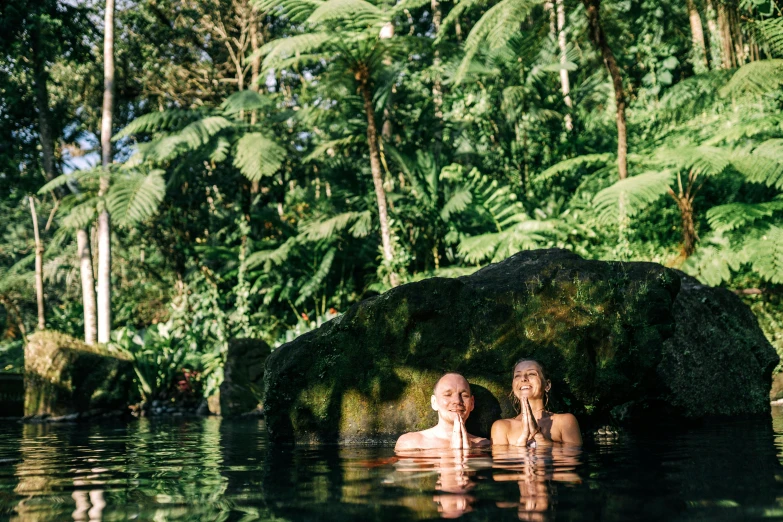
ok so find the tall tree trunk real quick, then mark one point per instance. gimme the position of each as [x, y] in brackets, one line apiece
[565, 83]
[598, 37]
[104, 220]
[88, 286]
[700, 63]
[45, 133]
[377, 178]
[39, 289]
[715, 45]
[728, 58]
[437, 86]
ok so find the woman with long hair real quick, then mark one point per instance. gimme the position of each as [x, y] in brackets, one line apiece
[534, 426]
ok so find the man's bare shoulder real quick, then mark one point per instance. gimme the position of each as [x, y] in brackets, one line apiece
[409, 441]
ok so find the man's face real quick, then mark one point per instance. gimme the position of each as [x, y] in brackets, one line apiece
[452, 397]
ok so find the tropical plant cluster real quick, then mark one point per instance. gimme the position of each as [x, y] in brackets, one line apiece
[266, 164]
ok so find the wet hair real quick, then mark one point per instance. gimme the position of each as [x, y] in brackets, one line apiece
[435, 387]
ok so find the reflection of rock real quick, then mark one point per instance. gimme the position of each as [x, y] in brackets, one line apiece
[11, 395]
[243, 381]
[65, 376]
[717, 349]
[599, 328]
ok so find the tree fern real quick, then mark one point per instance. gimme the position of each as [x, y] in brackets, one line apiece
[257, 156]
[571, 164]
[632, 194]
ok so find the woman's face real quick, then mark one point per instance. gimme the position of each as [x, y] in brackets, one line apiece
[529, 380]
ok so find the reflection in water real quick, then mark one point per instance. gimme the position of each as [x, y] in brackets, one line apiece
[213, 470]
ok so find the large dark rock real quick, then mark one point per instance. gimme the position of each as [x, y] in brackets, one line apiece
[604, 331]
[718, 362]
[65, 376]
[243, 376]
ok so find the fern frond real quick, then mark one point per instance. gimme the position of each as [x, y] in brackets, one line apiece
[760, 77]
[459, 201]
[294, 46]
[257, 156]
[312, 285]
[475, 249]
[276, 256]
[358, 11]
[766, 254]
[136, 197]
[156, 121]
[764, 164]
[315, 230]
[571, 164]
[737, 215]
[296, 11]
[220, 152]
[706, 160]
[324, 146]
[362, 226]
[631, 194]
[71, 177]
[495, 27]
[201, 131]
[81, 215]
[246, 100]
[770, 32]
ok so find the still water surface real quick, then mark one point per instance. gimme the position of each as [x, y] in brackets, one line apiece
[208, 469]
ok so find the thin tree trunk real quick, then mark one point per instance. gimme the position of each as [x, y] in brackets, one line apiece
[684, 199]
[598, 37]
[254, 68]
[700, 63]
[39, 289]
[88, 286]
[437, 87]
[104, 220]
[375, 168]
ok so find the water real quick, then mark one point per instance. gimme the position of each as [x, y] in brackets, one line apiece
[212, 470]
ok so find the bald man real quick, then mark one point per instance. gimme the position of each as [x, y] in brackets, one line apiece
[453, 401]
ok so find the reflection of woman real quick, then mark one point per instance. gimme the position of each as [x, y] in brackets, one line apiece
[534, 424]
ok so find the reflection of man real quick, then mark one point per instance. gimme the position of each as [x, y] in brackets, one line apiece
[453, 401]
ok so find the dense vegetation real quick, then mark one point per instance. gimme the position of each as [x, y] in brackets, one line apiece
[275, 161]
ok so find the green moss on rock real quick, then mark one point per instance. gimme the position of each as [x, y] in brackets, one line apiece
[63, 376]
[599, 328]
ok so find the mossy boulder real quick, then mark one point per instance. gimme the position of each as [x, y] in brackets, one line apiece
[65, 376]
[243, 376]
[719, 361]
[607, 333]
